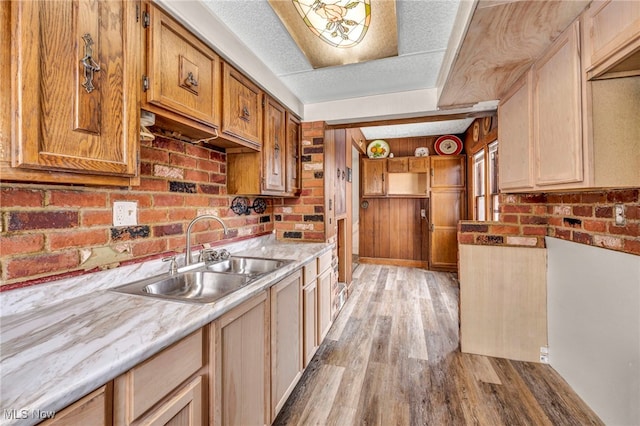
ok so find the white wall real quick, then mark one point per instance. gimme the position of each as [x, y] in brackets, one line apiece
[593, 302]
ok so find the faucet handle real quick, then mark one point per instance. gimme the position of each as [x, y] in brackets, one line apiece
[224, 254]
[208, 255]
[173, 266]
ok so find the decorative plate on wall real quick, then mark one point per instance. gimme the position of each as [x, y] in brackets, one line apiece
[448, 145]
[378, 149]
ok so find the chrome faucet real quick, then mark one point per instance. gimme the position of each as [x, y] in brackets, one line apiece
[187, 260]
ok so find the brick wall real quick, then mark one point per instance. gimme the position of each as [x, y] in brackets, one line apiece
[302, 218]
[582, 217]
[50, 231]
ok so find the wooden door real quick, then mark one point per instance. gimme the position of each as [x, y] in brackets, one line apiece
[183, 72]
[340, 170]
[274, 146]
[286, 339]
[310, 311]
[448, 172]
[446, 209]
[394, 229]
[182, 409]
[324, 304]
[294, 134]
[242, 364]
[557, 117]
[515, 134]
[241, 108]
[373, 177]
[69, 116]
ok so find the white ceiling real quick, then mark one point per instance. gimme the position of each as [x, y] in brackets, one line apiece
[424, 27]
[424, 32]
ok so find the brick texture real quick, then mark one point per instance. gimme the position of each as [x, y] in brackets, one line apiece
[45, 227]
[581, 217]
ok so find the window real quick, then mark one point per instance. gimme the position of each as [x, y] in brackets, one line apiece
[494, 201]
[484, 194]
[479, 189]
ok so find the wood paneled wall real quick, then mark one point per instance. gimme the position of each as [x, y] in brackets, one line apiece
[391, 228]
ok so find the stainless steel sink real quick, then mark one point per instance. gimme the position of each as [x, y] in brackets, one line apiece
[204, 283]
[247, 265]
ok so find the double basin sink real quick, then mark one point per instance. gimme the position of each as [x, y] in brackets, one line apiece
[205, 282]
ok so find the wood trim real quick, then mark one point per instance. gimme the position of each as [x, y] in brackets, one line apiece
[421, 119]
[395, 262]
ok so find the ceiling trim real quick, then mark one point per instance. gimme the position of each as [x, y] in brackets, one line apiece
[197, 17]
[412, 120]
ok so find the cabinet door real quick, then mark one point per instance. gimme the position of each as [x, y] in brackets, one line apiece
[241, 108]
[76, 86]
[310, 312]
[446, 208]
[286, 339]
[274, 147]
[93, 409]
[242, 364]
[419, 164]
[557, 117]
[324, 304]
[448, 172]
[515, 136]
[184, 74]
[398, 165]
[182, 409]
[611, 34]
[373, 175]
[294, 134]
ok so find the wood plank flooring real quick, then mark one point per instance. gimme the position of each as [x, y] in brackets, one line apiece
[392, 358]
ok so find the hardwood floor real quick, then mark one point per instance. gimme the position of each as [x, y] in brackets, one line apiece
[392, 358]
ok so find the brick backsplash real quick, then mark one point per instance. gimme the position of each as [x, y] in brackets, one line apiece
[52, 231]
[581, 217]
[302, 218]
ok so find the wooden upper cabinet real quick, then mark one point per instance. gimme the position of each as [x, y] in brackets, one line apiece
[557, 113]
[183, 73]
[515, 136]
[419, 164]
[75, 81]
[373, 175]
[294, 135]
[398, 165]
[274, 155]
[448, 171]
[612, 38]
[241, 108]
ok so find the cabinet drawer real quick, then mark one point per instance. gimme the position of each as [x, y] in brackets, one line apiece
[155, 378]
[310, 272]
[324, 261]
[93, 409]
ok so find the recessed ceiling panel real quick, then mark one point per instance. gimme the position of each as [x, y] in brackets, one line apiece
[434, 128]
[341, 32]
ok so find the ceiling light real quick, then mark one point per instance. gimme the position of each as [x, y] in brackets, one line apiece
[339, 32]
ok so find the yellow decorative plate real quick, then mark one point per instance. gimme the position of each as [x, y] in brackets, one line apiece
[378, 149]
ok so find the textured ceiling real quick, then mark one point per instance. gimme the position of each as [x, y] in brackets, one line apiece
[424, 27]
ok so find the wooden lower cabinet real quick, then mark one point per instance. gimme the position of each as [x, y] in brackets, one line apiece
[447, 207]
[286, 339]
[148, 392]
[93, 409]
[241, 356]
[310, 303]
[324, 303]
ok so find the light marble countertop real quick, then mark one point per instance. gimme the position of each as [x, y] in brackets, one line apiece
[59, 341]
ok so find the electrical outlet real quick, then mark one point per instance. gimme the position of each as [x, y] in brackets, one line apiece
[544, 354]
[619, 213]
[125, 213]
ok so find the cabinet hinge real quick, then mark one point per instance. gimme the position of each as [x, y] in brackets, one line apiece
[432, 227]
[145, 83]
[432, 172]
[146, 19]
[263, 102]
